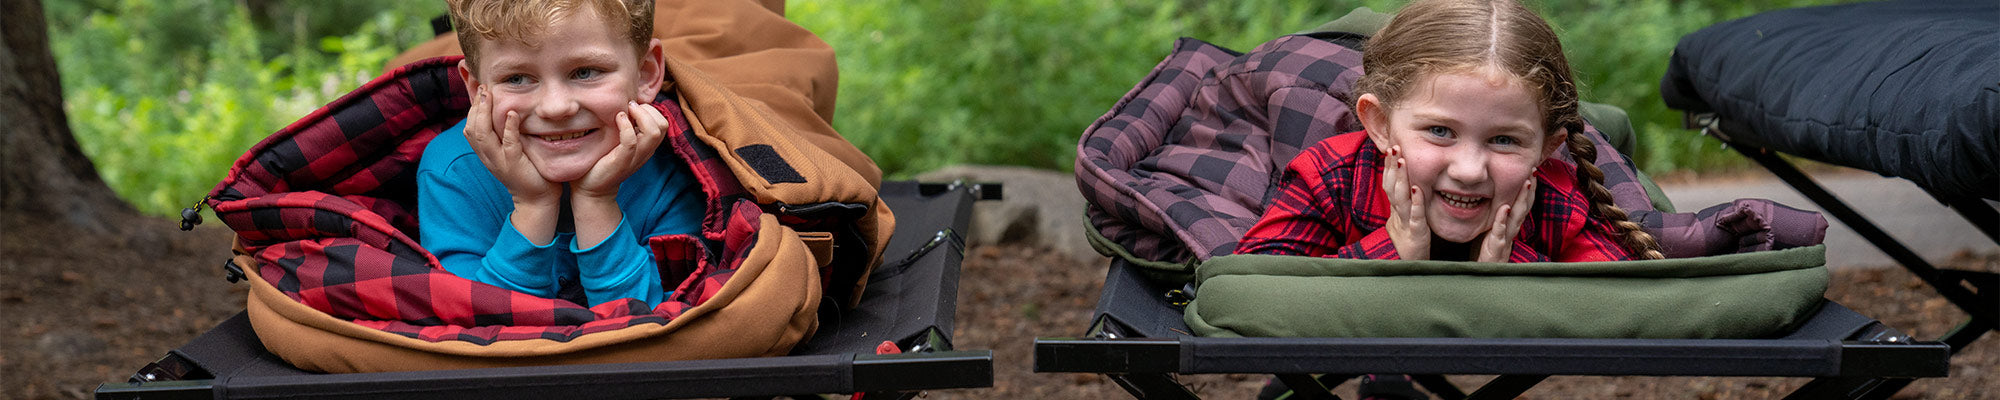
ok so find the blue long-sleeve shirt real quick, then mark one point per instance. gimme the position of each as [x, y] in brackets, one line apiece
[463, 212]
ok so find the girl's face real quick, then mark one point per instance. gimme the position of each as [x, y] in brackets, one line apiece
[1469, 139]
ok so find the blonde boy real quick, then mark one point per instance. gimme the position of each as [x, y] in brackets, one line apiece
[552, 181]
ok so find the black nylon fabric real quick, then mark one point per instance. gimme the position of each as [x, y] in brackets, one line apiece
[1905, 88]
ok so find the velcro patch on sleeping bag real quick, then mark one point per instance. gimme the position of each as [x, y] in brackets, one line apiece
[769, 165]
[1748, 295]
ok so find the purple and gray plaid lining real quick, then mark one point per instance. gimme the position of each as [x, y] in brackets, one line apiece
[1181, 166]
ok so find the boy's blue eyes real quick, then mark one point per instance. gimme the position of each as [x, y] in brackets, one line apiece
[580, 74]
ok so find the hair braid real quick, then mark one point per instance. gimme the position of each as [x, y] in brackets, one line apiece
[1637, 241]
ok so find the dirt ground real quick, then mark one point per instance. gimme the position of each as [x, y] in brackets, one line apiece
[86, 308]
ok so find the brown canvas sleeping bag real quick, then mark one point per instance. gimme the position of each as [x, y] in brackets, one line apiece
[322, 208]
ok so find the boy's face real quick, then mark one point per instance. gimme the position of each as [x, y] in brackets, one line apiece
[1470, 140]
[568, 89]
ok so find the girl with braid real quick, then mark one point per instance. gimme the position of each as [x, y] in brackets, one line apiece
[1469, 116]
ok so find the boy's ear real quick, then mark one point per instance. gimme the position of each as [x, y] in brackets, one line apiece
[1374, 119]
[471, 81]
[652, 70]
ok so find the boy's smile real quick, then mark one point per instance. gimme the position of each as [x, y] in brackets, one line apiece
[568, 84]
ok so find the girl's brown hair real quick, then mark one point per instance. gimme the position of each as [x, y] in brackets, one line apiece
[479, 21]
[1429, 37]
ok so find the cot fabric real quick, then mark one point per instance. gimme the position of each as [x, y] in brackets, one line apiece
[1182, 166]
[1740, 296]
[1330, 203]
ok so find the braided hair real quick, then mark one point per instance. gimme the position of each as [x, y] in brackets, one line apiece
[1431, 37]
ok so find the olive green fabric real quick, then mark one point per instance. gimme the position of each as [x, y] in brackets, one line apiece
[1160, 271]
[1747, 295]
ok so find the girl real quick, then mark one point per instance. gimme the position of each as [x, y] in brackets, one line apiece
[1464, 108]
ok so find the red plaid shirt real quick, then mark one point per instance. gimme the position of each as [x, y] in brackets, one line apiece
[1330, 204]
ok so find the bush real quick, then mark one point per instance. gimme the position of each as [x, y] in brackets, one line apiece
[1016, 82]
[1010, 82]
[164, 95]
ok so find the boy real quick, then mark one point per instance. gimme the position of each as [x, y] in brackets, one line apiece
[552, 181]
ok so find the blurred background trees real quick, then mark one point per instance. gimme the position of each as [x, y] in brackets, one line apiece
[164, 94]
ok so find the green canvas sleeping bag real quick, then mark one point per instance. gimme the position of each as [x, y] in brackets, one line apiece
[1745, 295]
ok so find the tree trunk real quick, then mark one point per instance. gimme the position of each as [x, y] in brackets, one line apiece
[44, 176]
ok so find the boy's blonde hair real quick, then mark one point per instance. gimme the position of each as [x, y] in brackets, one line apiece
[478, 21]
[1429, 37]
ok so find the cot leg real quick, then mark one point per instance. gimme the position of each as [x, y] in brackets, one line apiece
[1152, 386]
[1507, 387]
[1438, 386]
[1952, 284]
[1978, 212]
[1304, 387]
[1849, 388]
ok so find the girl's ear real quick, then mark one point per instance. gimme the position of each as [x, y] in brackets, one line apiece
[1556, 142]
[1374, 119]
[652, 70]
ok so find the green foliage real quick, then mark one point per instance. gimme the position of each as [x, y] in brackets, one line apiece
[1016, 82]
[1619, 51]
[1010, 82]
[164, 95]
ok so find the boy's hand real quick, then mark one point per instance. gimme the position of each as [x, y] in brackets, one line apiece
[536, 200]
[639, 133]
[1499, 243]
[1407, 227]
[502, 154]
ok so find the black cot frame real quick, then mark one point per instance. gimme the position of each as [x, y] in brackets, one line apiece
[1977, 293]
[1139, 341]
[911, 300]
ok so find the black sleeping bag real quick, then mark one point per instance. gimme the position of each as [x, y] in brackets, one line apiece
[1905, 88]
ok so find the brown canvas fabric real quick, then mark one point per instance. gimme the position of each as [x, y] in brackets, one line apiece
[767, 308]
[731, 123]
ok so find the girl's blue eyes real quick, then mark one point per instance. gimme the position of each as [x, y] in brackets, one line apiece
[1443, 132]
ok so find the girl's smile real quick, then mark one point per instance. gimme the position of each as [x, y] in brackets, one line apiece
[1467, 138]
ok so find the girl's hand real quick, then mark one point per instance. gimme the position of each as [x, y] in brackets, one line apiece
[1407, 227]
[502, 154]
[639, 133]
[1499, 243]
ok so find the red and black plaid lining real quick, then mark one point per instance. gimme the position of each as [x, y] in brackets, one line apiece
[323, 205]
